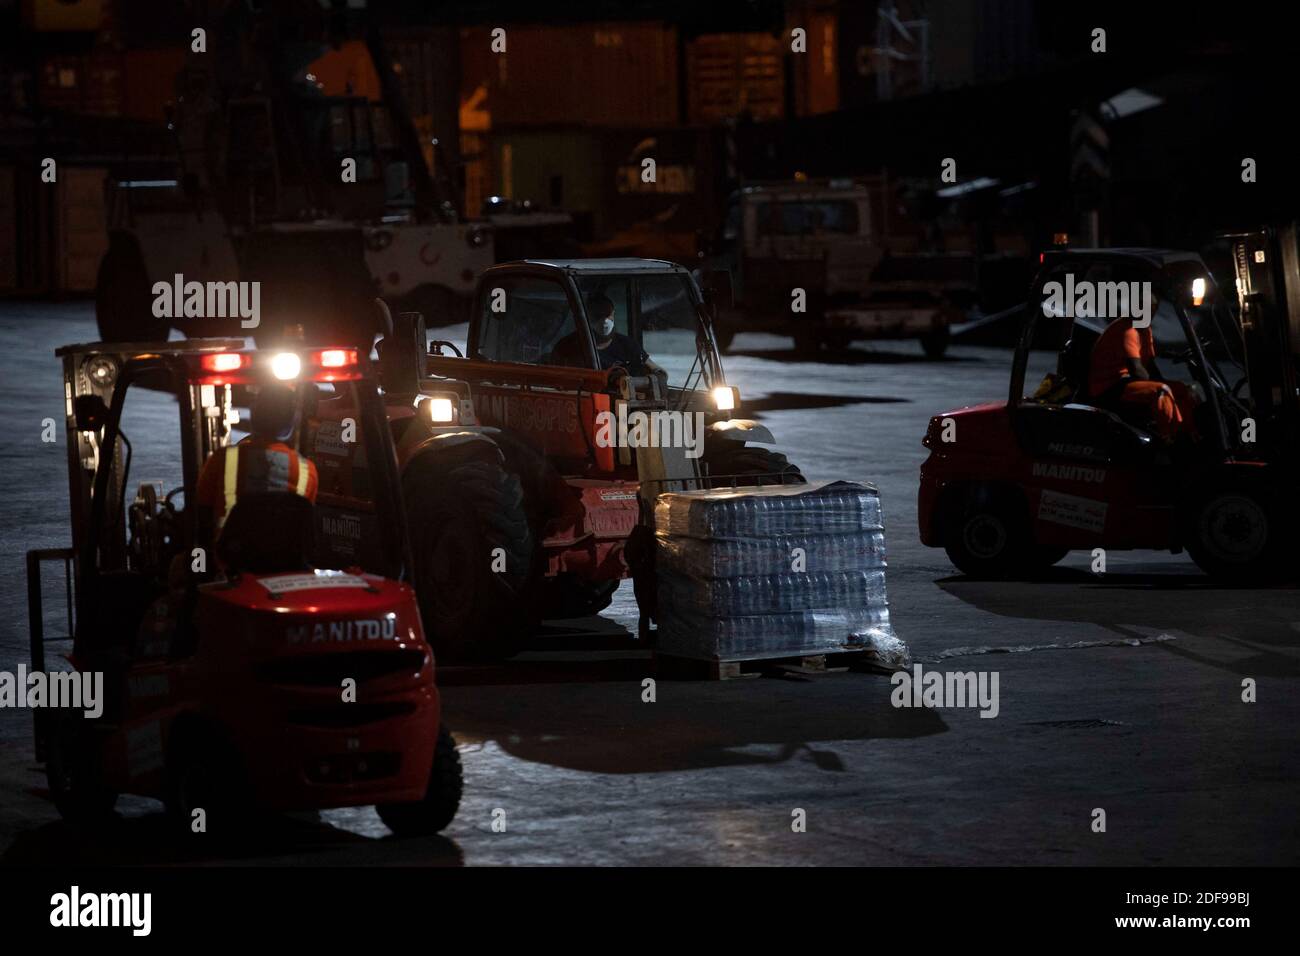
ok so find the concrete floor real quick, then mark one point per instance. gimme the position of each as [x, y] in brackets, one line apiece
[1119, 692]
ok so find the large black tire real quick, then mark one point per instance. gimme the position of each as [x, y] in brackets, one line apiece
[566, 596]
[1233, 532]
[459, 515]
[988, 537]
[73, 769]
[124, 297]
[204, 772]
[441, 799]
[733, 463]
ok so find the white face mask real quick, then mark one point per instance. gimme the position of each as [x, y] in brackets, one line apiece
[606, 327]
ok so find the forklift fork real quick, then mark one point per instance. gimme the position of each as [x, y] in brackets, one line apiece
[36, 622]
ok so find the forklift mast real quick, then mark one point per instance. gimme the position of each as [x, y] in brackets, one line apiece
[1267, 267]
[261, 130]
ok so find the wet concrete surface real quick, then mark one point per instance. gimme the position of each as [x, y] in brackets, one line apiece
[1120, 692]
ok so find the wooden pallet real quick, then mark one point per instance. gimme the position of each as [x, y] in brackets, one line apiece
[671, 667]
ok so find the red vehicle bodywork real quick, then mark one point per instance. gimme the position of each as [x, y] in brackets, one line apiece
[1070, 501]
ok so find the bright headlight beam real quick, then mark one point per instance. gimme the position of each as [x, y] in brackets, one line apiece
[439, 410]
[286, 366]
[724, 398]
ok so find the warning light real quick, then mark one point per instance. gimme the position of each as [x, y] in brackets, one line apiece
[1198, 290]
[336, 358]
[223, 362]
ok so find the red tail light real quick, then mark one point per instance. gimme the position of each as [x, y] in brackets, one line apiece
[336, 358]
[335, 365]
[224, 362]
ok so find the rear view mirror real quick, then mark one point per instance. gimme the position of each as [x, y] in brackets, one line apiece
[717, 289]
[90, 413]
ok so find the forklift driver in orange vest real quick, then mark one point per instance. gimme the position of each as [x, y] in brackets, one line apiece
[262, 462]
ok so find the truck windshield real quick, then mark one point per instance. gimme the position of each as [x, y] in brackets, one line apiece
[791, 218]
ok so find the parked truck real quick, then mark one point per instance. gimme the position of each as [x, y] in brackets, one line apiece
[831, 262]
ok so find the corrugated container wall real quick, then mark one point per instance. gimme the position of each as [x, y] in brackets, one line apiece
[730, 74]
[560, 170]
[594, 74]
[816, 72]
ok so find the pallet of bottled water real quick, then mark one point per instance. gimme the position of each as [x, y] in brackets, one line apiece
[774, 571]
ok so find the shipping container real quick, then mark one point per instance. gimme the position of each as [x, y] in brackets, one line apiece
[102, 88]
[61, 15]
[149, 82]
[664, 218]
[593, 75]
[736, 74]
[815, 73]
[62, 82]
[553, 169]
[597, 177]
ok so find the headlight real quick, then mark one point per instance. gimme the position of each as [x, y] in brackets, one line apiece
[1198, 291]
[286, 366]
[440, 409]
[726, 398]
[101, 370]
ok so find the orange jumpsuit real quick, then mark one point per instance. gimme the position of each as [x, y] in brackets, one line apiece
[1168, 404]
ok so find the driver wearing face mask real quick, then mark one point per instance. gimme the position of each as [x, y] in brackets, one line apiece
[612, 348]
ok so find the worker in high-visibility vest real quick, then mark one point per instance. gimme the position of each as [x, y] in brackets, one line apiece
[262, 462]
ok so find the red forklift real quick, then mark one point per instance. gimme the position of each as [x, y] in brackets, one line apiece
[1009, 488]
[224, 674]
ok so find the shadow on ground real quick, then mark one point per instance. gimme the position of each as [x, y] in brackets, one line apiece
[1258, 629]
[690, 725]
[150, 839]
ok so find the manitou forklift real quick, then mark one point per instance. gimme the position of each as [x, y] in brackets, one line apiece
[1011, 487]
[521, 508]
[273, 671]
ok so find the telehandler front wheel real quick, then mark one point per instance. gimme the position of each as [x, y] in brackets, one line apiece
[473, 554]
[735, 463]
